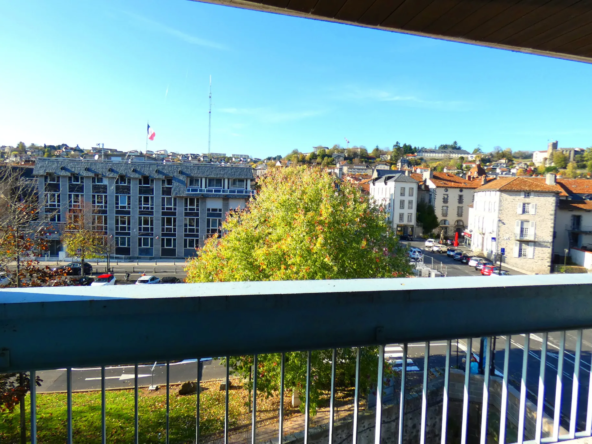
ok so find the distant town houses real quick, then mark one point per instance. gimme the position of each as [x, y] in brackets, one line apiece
[443, 154]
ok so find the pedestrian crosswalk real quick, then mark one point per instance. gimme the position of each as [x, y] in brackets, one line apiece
[394, 355]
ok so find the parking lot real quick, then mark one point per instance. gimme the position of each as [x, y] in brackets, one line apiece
[453, 268]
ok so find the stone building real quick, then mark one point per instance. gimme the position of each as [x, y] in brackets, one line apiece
[149, 209]
[546, 157]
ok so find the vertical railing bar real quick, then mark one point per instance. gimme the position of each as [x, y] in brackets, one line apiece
[559, 387]
[485, 404]
[103, 408]
[307, 406]
[254, 412]
[198, 394]
[424, 392]
[69, 402]
[575, 387]
[332, 402]
[504, 405]
[465, 413]
[523, 388]
[168, 406]
[379, 387]
[281, 425]
[541, 395]
[402, 399]
[589, 411]
[445, 393]
[33, 385]
[136, 406]
[226, 424]
[356, 397]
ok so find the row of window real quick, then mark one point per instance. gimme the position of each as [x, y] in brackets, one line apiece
[461, 198]
[409, 218]
[147, 181]
[410, 191]
[459, 211]
[409, 205]
[122, 202]
[148, 242]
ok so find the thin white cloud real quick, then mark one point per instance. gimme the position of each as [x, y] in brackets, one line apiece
[353, 93]
[188, 38]
[268, 115]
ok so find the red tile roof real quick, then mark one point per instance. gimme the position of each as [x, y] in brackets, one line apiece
[447, 180]
[574, 205]
[520, 183]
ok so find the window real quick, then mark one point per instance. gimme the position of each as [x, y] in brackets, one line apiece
[75, 200]
[52, 200]
[192, 204]
[100, 222]
[55, 217]
[145, 224]
[444, 211]
[237, 183]
[145, 181]
[75, 178]
[526, 194]
[169, 242]
[145, 242]
[99, 201]
[446, 190]
[445, 198]
[99, 180]
[52, 178]
[122, 242]
[409, 218]
[146, 203]
[401, 217]
[122, 223]
[169, 204]
[411, 192]
[443, 222]
[410, 205]
[169, 224]
[167, 182]
[191, 243]
[215, 183]
[193, 182]
[74, 220]
[461, 199]
[525, 208]
[402, 191]
[402, 205]
[214, 221]
[122, 202]
[459, 211]
[122, 180]
[522, 249]
[191, 225]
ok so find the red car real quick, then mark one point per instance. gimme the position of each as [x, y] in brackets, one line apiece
[487, 270]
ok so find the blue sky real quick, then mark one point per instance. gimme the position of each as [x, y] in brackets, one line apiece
[96, 71]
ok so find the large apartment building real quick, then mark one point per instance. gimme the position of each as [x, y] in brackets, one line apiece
[148, 209]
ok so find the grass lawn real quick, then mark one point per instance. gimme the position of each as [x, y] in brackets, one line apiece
[86, 410]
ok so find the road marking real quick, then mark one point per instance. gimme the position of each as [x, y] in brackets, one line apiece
[123, 377]
[185, 361]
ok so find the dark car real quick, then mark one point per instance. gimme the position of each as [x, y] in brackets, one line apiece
[458, 255]
[405, 237]
[450, 252]
[171, 280]
[465, 259]
[75, 268]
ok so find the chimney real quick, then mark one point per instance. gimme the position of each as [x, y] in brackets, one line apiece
[407, 173]
[428, 174]
[483, 180]
[550, 179]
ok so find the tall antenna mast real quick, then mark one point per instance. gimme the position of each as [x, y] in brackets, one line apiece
[210, 119]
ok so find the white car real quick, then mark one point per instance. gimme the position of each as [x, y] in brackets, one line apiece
[415, 255]
[148, 280]
[474, 261]
[430, 243]
[104, 279]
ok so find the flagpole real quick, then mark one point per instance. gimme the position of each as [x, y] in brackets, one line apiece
[147, 125]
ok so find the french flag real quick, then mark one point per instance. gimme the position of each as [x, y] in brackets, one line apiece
[151, 133]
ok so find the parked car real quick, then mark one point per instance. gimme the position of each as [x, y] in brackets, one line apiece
[170, 280]
[415, 255]
[75, 268]
[4, 280]
[473, 261]
[481, 263]
[104, 279]
[405, 237]
[148, 280]
[458, 255]
[497, 272]
[429, 243]
[465, 259]
[439, 248]
[450, 252]
[80, 281]
[487, 269]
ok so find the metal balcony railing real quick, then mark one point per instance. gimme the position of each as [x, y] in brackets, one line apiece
[198, 190]
[579, 228]
[136, 324]
[525, 234]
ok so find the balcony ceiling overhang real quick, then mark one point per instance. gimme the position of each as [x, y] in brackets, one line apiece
[556, 28]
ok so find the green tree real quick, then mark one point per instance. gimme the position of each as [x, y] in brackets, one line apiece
[477, 151]
[376, 152]
[560, 160]
[541, 169]
[426, 217]
[21, 147]
[571, 171]
[589, 166]
[303, 225]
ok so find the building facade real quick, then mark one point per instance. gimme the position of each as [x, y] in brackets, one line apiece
[397, 195]
[443, 154]
[147, 209]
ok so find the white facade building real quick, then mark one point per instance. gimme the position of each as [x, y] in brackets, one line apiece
[397, 195]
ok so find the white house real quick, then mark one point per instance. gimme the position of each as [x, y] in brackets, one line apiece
[397, 195]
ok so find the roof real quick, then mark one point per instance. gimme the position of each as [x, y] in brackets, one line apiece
[382, 173]
[397, 177]
[447, 180]
[575, 186]
[520, 183]
[575, 205]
